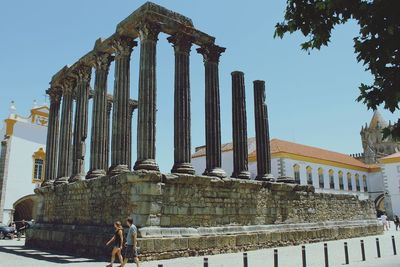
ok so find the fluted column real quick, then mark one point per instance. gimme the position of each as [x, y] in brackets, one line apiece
[83, 74]
[239, 127]
[146, 139]
[106, 162]
[119, 151]
[211, 54]
[100, 127]
[262, 133]
[65, 142]
[132, 108]
[182, 136]
[52, 137]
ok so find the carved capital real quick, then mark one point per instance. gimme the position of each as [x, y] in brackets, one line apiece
[123, 46]
[83, 73]
[148, 31]
[211, 52]
[54, 95]
[181, 42]
[68, 85]
[103, 61]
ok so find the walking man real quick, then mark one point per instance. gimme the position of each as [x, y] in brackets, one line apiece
[131, 252]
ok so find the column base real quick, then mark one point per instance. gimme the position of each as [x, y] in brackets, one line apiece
[185, 167]
[218, 172]
[47, 183]
[241, 175]
[95, 173]
[61, 180]
[266, 177]
[147, 164]
[118, 169]
[77, 177]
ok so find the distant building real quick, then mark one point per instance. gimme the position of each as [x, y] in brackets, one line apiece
[22, 160]
[390, 166]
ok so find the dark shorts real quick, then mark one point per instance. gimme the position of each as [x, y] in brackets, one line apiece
[130, 253]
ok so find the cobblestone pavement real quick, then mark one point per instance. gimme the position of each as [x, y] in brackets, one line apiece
[13, 253]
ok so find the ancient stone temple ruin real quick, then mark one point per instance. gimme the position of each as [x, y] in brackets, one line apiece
[182, 213]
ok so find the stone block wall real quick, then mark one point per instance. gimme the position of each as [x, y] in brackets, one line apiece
[179, 215]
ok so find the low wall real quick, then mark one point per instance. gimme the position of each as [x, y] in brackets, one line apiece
[191, 215]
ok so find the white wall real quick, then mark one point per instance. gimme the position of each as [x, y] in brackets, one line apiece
[391, 178]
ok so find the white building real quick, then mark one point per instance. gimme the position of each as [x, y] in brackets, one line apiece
[22, 160]
[390, 166]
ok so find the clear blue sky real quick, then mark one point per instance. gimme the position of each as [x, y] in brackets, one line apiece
[311, 98]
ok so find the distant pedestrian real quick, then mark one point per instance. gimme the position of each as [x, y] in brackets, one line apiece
[396, 221]
[22, 229]
[131, 251]
[384, 222]
[118, 239]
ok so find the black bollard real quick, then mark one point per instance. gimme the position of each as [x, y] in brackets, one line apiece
[378, 248]
[205, 262]
[303, 254]
[245, 264]
[326, 254]
[346, 253]
[275, 258]
[362, 250]
[160, 265]
[394, 246]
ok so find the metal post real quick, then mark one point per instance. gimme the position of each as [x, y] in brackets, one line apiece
[275, 258]
[160, 265]
[394, 245]
[245, 264]
[303, 253]
[346, 253]
[205, 262]
[378, 248]
[362, 250]
[326, 254]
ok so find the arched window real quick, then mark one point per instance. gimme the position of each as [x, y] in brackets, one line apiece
[357, 182]
[341, 185]
[331, 180]
[365, 183]
[349, 185]
[309, 175]
[321, 177]
[296, 171]
[38, 165]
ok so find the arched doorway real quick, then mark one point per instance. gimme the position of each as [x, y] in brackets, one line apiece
[380, 205]
[24, 208]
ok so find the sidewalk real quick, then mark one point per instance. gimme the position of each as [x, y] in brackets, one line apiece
[12, 253]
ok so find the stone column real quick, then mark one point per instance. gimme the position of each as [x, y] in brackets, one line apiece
[98, 149]
[129, 135]
[182, 136]
[262, 133]
[211, 54]
[65, 142]
[146, 139]
[106, 161]
[119, 151]
[239, 127]
[52, 137]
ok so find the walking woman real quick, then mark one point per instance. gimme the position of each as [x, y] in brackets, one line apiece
[118, 241]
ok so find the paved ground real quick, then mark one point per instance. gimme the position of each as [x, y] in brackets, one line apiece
[12, 253]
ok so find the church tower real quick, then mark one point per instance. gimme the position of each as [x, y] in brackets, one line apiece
[374, 146]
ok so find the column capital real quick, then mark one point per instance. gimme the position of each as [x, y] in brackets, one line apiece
[54, 95]
[83, 73]
[211, 52]
[148, 31]
[123, 46]
[68, 85]
[181, 42]
[102, 61]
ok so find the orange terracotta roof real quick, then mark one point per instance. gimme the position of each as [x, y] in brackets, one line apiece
[281, 146]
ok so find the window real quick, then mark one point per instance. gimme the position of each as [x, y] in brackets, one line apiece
[365, 183]
[331, 180]
[341, 185]
[349, 184]
[39, 158]
[296, 170]
[321, 177]
[309, 175]
[357, 182]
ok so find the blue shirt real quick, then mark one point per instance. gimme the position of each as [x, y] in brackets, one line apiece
[129, 239]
